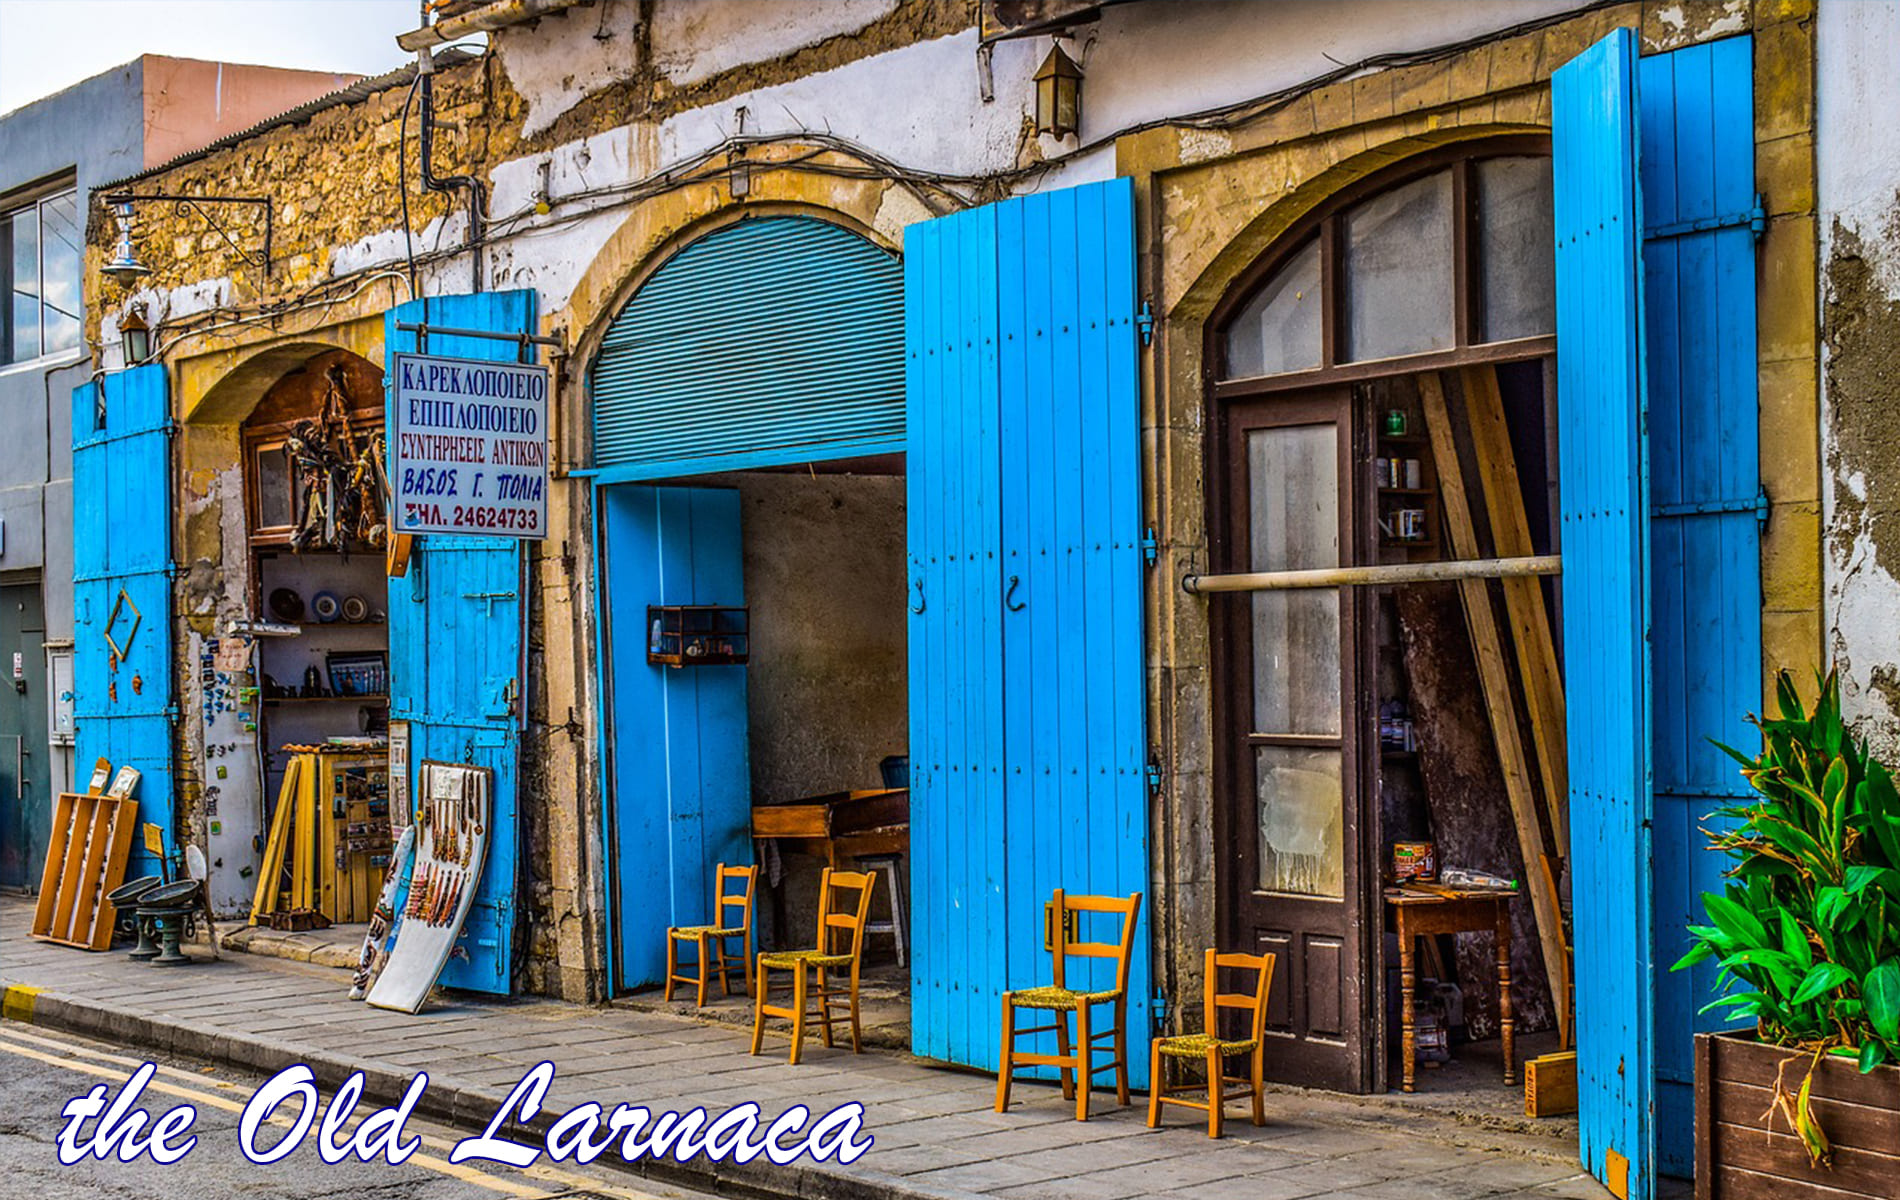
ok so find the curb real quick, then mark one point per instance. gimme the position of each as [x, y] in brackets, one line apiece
[463, 1106]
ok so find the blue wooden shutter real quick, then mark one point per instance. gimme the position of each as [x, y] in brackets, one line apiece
[122, 513]
[455, 646]
[1028, 711]
[772, 341]
[1605, 526]
[679, 791]
[953, 496]
[1699, 205]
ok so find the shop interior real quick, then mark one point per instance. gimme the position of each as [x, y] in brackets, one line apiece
[827, 705]
[320, 669]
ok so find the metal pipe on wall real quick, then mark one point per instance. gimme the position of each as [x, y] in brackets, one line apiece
[1375, 576]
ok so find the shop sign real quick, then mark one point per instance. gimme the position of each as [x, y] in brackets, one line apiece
[469, 453]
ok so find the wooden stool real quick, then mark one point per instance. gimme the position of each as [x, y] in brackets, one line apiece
[890, 864]
[1062, 1000]
[848, 920]
[711, 939]
[1213, 1050]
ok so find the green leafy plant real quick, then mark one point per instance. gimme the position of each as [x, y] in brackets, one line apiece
[1801, 932]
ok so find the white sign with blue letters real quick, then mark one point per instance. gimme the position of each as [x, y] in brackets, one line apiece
[470, 448]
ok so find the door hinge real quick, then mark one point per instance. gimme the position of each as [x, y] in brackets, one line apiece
[1145, 323]
[1757, 504]
[1150, 546]
[1755, 217]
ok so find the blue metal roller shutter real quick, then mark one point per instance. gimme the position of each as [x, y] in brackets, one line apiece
[776, 340]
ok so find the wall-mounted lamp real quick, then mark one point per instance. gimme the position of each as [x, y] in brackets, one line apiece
[1058, 95]
[125, 265]
[135, 336]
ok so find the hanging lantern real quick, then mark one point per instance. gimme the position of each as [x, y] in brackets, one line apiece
[1058, 95]
[135, 336]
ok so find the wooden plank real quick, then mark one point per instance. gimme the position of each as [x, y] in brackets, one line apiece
[123, 820]
[60, 837]
[1734, 1183]
[1550, 1085]
[83, 904]
[72, 869]
[1495, 680]
[323, 868]
[1523, 597]
[1844, 1121]
[1464, 793]
[1757, 1064]
[1780, 1153]
[270, 875]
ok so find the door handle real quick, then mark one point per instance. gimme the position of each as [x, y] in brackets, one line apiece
[918, 607]
[1014, 582]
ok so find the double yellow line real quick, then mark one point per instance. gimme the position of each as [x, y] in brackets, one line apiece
[198, 1089]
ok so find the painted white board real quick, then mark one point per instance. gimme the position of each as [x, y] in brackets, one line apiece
[451, 850]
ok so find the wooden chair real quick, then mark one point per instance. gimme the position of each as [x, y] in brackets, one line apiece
[835, 921]
[1214, 1051]
[1062, 1000]
[711, 939]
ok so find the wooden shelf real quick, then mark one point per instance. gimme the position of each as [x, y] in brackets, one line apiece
[1409, 439]
[1405, 491]
[1407, 543]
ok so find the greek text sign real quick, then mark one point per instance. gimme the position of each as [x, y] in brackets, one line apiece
[470, 452]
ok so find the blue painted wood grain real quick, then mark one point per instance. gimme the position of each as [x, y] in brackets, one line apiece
[1028, 713]
[678, 783]
[122, 513]
[1606, 593]
[1697, 108]
[456, 657]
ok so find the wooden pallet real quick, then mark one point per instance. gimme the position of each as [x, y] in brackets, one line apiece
[91, 839]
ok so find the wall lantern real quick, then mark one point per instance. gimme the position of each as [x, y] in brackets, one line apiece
[1058, 95]
[125, 265]
[135, 336]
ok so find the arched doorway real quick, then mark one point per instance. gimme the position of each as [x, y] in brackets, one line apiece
[748, 440]
[1351, 366]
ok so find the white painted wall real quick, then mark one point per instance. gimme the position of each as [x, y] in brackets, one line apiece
[1858, 181]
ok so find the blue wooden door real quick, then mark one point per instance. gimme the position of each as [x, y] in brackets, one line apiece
[455, 646]
[1606, 593]
[122, 661]
[1028, 713]
[679, 786]
[1699, 209]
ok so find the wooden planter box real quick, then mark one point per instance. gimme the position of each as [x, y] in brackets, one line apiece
[1736, 1158]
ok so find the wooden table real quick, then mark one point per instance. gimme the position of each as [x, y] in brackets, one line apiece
[1418, 913]
[845, 824]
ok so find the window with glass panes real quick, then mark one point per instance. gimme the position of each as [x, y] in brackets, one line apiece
[39, 277]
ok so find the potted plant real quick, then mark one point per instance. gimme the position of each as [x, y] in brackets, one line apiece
[1807, 947]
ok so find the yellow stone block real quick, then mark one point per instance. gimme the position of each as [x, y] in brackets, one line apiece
[1784, 173]
[1790, 641]
[1785, 322]
[1790, 424]
[1791, 558]
[1784, 80]
[17, 1002]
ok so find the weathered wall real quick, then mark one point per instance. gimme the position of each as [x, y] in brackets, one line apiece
[825, 579]
[1859, 203]
[595, 129]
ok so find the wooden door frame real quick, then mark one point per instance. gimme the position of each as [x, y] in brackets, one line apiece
[1231, 647]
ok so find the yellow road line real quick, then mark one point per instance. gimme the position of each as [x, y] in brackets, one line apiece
[540, 1171]
[493, 1183]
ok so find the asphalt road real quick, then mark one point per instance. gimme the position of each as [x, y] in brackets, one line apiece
[40, 1072]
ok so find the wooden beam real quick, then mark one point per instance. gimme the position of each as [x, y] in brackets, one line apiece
[1381, 575]
[1495, 677]
[1523, 598]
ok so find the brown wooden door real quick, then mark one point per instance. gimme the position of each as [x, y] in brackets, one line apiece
[1291, 825]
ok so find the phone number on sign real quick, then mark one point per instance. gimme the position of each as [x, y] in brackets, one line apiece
[472, 516]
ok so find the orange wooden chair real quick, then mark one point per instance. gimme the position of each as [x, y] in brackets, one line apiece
[1062, 1000]
[835, 921]
[1213, 1050]
[711, 939]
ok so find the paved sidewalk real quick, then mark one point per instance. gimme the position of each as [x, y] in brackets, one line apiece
[936, 1135]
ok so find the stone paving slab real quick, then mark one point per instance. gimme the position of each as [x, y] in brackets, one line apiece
[937, 1135]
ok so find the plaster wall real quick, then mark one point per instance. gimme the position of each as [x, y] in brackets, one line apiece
[1858, 201]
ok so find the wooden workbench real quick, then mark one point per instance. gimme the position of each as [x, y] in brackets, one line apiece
[1416, 913]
